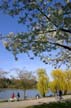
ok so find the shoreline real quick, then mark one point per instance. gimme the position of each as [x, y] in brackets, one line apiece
[31, 102]
[33, 98]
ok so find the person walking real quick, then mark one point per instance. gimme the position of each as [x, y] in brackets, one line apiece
[18, 96]
[60, 94]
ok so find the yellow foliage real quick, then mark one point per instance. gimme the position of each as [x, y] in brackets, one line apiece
[62, 80]
[59, 79]
[42, 84]
[53, 86]
[68, 79]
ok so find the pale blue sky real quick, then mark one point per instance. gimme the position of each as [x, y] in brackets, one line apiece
[7, 61]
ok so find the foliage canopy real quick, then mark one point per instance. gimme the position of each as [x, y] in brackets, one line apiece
[48, 25]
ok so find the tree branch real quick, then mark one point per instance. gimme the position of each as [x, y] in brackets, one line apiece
[46, 16]
[63, 46]
[57, 44]
[65, 30]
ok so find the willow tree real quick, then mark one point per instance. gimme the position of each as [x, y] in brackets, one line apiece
[59, 79]
[53, 86]
[68, 80]
[42, 82]
[48, 24]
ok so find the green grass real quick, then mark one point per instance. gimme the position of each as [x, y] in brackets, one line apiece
[66, 104]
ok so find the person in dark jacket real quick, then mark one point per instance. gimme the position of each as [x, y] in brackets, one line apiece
[18, 96]
[60, 94]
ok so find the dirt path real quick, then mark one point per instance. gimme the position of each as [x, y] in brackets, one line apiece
[25, 103]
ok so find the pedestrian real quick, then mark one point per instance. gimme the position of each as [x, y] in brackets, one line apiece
[60, 94]
[37, 96]
[18, 96]
[13, 96]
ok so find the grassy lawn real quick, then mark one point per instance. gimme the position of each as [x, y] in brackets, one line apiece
[66, 104]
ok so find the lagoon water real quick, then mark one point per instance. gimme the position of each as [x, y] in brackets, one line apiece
[7, 93]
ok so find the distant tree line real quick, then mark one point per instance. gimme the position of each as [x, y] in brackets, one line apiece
[24, 80]
[16, 83]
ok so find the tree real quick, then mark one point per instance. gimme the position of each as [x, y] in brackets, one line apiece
[48, 25]
[59, 79]
[3, 73]
[68, 80]
[27, 80]
[42, 82]
[3, 83]
[53, 86]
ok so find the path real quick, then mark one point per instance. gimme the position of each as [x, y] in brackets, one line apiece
[25, 103]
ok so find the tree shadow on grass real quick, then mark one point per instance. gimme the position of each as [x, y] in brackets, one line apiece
[65, 104]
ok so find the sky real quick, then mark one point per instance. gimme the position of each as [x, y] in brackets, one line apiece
[7, 61]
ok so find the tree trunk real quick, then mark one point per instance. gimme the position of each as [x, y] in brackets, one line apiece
[24, 94]
[43, 94]
[65, 92]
